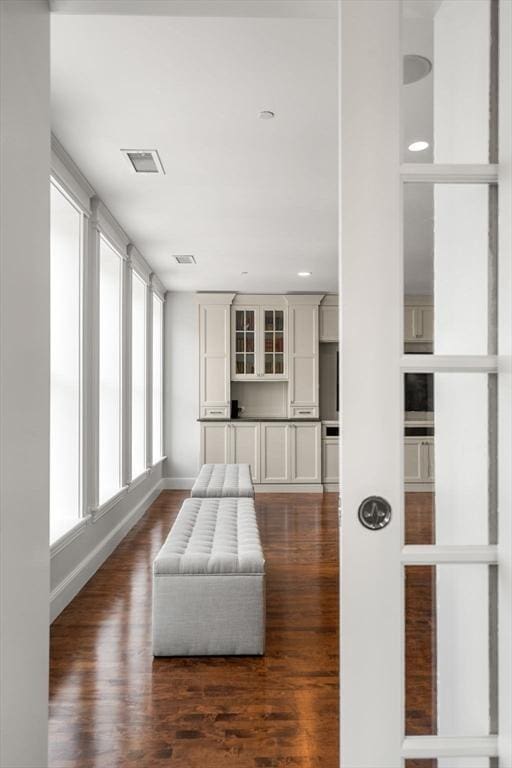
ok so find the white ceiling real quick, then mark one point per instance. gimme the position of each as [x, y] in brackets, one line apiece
[241, 194]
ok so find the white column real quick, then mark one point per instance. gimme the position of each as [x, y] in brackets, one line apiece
[25, 377]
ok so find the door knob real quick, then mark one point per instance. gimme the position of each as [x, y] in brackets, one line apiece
[374, 513]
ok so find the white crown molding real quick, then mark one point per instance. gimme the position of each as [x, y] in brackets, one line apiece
[299, 9]
[138, 263]
[215, 298]
[67, 175]
[157, 286]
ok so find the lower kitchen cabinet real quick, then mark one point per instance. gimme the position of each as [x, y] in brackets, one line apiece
[305, 452]
[215, 442]
[229, 443]
[418, 460]
[330, 460]
[291, 452]
[245, 447]
[277, 451]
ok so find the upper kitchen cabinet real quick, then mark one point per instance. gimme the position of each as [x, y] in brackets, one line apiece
[259, 343]
[329, 314]
[418, 320]
[303, 356]
[214, 354]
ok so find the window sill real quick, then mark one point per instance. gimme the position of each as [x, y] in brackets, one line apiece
[158, 461]
[98, 512]
[59, 544]
[139, 479]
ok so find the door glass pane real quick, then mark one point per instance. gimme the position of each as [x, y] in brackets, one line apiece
[249, 364]
[279, 320]
[65, 325]
[249, 341]
[239, 320]
[139, 291]
[449, 64]
[269, 342]
[269, 320]
[449, 658]
[279, 364]
[109, 373]
[449, 268]
[269, 363]
[449, 445]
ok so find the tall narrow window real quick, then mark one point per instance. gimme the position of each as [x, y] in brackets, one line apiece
[110, 394]
[157, 376]
[139, 290]
[65, 408]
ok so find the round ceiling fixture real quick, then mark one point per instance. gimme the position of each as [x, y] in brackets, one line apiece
[304, 274]
[415, 68]
[418, 146]
[266, 114]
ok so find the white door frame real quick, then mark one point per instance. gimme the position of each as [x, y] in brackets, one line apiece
[371, 291]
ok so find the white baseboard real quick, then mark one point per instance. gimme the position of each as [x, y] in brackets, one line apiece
[64, 592]
[177, 483]
[419, 487]
[331, 487]
[288, 488]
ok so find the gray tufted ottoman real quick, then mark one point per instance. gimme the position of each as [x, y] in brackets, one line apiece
[216, 480]
[209, 582]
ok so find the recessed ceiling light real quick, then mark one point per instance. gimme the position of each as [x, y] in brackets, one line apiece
[186, 259]
[143, 160]
[266, 114]
[304, 274]
[418, 146]
[415, 68]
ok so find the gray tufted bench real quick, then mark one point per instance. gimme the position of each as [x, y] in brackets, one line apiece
[215, 480]
[209, 582]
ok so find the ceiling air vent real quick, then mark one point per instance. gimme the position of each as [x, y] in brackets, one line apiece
[185, 259]
[143, 160]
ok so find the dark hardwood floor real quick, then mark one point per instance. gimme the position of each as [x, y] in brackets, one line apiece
[113, 705]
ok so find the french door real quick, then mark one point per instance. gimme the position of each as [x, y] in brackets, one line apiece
[426, 570]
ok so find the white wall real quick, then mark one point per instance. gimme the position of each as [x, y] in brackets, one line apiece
[25, 372]
[181, 388]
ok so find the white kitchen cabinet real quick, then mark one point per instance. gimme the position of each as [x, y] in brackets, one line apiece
[214, 355]
[305, 452]
[418, 324]
[245, 446]
[418, 460]
[304, 366]
[259, 341]
[329, 322]
[231, 443]
[275, 452]
[215, 442]
[330, 460]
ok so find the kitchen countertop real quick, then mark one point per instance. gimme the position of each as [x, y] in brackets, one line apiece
[257, 418]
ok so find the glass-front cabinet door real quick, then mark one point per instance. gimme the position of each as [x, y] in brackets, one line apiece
[244, 359]
[274, 343]
[259, 344]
